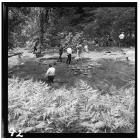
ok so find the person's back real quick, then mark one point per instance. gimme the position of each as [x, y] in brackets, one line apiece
[69, 50]
[50, 73]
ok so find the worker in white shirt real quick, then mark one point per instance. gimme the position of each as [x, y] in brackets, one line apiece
[51, 74]
[86, 48]
[69, 52]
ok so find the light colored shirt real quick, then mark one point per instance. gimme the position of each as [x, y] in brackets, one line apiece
[121, 36]
[69, 50]
[86, 48]
[50, 71]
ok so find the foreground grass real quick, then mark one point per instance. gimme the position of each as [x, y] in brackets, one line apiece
[34, 108]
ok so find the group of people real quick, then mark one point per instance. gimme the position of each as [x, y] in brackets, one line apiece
[69, 52]
[51, 70]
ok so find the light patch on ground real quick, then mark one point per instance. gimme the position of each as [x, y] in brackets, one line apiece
[130, 53]
[94, 55]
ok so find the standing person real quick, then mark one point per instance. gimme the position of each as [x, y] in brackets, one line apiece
[86, 48]
[121, 38]
[51, 74]
[77, 49]
[35, 47]
[60, 53]
[69, 52]
[80, 50]
[77, 56]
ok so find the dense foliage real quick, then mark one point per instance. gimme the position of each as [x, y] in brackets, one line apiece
[36, 108]
[52, 25]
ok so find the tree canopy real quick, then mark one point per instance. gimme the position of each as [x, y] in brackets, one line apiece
[54, 25]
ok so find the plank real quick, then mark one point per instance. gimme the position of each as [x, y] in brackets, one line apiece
[15, 54]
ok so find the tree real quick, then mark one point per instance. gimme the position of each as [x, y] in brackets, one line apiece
[112, 21]
[47, 24]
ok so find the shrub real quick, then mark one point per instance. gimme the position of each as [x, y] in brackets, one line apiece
[34, 107]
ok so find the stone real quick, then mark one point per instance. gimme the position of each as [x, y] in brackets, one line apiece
[81, 70]
[89, 67]
[75, 73]
[85, 73]
[92, 65]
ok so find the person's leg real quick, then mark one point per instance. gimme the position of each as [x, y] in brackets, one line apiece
[49, 80]
[52, 78]
[69, 58]
[60, 58]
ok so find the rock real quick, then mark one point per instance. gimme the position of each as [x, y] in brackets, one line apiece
[75, 73]
[92, 65]
[73, 68]
[107, 52]
[89, 67]
[81, 70]
[85, 73]
[78, 68]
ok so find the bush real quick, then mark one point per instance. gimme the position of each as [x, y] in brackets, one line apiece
[33, 107]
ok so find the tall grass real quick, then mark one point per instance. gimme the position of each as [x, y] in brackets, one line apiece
[33, 108]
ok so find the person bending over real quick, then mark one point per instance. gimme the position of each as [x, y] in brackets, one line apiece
[51, 74]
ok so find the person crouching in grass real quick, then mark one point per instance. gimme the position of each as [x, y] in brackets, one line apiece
[51, 74]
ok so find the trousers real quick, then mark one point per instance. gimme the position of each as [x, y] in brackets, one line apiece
[50, 80]
[68, 59]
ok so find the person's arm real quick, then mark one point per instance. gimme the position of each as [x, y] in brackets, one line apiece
[46, 74]
[54, 71]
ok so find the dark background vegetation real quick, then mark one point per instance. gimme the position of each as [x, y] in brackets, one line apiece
[69, 25]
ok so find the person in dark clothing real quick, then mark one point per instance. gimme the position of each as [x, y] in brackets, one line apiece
[68, 59]
[35, 48]
[60, 53]
[35, 45]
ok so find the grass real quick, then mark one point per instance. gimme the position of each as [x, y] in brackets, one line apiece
[104, 71]
[33, 107]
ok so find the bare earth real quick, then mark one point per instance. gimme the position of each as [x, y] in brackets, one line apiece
[94, 55]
